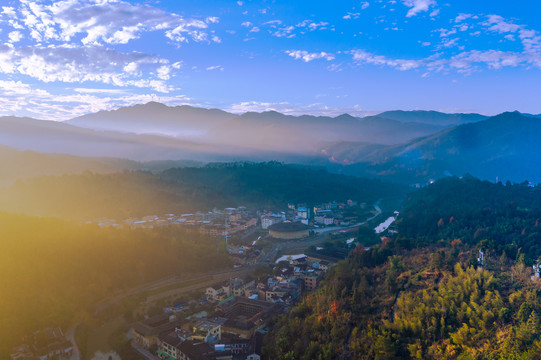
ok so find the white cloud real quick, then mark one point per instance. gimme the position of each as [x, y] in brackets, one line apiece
[72, 41]
[417, 6]
[311, 25]
[164, 72]
[290, 31]
[42, 104]
[99, 91]
[273, 23]
[351, 15]
[95, 22]
[18, 97]
[9, 12]
[286, 31]
[461, 17]
[363, 57]
[131, 68]
[449, 42]
[446, 33]
[195, 29]
[307, 56]
[287, 108]
[498, 24]
[494, 59]
[364, 5]
[15, 36]
[215, 67]
[77, 65]
[335, 67]
[464, 62]
[510, 37]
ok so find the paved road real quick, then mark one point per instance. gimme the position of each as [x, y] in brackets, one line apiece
[70, 335]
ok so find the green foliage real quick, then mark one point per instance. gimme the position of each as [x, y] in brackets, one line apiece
[422, 295]
[54, 272]
[129, 194]
[498, 217]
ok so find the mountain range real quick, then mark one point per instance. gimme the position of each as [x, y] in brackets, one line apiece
[270, 130]
[503, 147]
[408, 146]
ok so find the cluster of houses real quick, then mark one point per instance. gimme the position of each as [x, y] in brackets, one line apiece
[45, 344]
[231, 221]
[231, 333]
[243, 254]
[292, 276]
[325, 214]
[235, 328]
[213, 223]
[339, 214]
[289, 279]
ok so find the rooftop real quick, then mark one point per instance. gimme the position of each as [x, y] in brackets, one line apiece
[157, 325]
[288, 227]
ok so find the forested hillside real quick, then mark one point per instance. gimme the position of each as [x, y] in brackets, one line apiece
[123, 195]
[424, 294]
[54, 272]
[503, 218]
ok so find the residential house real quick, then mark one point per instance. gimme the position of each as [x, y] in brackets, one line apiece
[147, 332]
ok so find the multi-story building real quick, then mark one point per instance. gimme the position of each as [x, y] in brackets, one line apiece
[147, 332]
[311, 280]
[208, 330]
[268, 220]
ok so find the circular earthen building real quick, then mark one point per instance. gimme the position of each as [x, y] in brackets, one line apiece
[288, 230]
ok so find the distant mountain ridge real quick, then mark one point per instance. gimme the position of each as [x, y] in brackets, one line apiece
[432, 117]
[154, 118]
[269, 130]
[506, 146]
[406, 146]
[60, 137]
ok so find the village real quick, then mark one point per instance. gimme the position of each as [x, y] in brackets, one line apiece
[227, 320]
[237, 310]
[235, 322]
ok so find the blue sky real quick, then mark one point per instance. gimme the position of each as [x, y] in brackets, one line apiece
[60, 59]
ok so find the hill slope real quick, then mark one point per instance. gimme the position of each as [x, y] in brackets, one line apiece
[432, 117]
[504, 147]
[422, 294]
[181, 190]
[18, 164]
[57, 137]
[268, 130]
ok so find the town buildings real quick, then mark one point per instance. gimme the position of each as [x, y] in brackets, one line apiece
[47, 344]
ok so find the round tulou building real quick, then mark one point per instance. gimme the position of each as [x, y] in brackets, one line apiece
[288, 230]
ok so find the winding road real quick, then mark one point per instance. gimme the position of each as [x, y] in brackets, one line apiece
[70, 335]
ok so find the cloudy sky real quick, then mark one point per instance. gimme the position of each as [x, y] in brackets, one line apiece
[60, 59]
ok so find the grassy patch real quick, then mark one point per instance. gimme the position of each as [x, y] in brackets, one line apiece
[175, 286]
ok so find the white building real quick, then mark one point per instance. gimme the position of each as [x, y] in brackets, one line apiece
[268, 220]
[302, 213]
